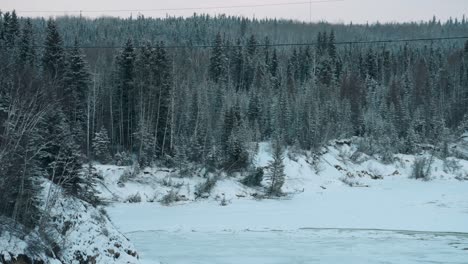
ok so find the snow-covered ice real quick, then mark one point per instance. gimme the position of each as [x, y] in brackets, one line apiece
[302, 246]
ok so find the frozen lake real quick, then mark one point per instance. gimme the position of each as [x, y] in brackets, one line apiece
[302, 246]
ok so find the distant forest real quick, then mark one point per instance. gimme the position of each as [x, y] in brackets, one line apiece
[75, 90]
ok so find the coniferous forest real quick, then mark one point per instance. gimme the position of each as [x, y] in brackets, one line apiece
[204, 90]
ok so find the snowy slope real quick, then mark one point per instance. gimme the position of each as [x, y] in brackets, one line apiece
[73, 232]
[83, 233]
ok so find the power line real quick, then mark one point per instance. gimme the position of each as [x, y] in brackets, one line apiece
[181, 8]
[382, 41]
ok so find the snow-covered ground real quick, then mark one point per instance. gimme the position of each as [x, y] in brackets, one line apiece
[375, 221]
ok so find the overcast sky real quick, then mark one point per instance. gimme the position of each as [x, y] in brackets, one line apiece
[357, 11]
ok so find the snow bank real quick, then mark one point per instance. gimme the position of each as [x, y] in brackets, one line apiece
[83, 233]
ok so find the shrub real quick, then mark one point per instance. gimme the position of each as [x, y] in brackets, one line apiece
[205, 187]
[123, 159]
[168, 182]
[136, 198]
[387, 156]
[224, 201]
[129, 173]
[343, 156]
[152, 198]
[103, 211]
[364, 145]
[350, 182]
[451, 165]
[462, 176]
[358, 157]
[421, 169]
[171, 197]
[255, 178]
[314, 161]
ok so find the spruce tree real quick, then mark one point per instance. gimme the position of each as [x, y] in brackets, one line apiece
[253, 108]
[218, 60]
[237, 61]
[250, 63]
[61, 157]
[53, 59]
[101, 145]
[164, 115]
[411, 140]
[276, 171]
[124, 98]
[274, 64]
[11, 28]
[237, 156]
[331, 46]
[76, 85]
[89, 179]
[27, 53]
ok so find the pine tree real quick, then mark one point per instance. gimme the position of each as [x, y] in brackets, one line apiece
[320, 44]
[144, 139]
[462, 128]
[274, 64]
[290, 80]
[124, 99]
[276, 171]
[76, 85]
[411, 141]
[331, 46]
[61, 157]
[181, 159]
[53, 59]
[325, 71]
[10, 28]
[253, 108]
[88, 186]
[163, 116]
[371, 64]
[237, 60]
[218, 60]
[250, 62]
[233, 143]
[27, 53]
[101, 144]
[305, 65]
[237, 156]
